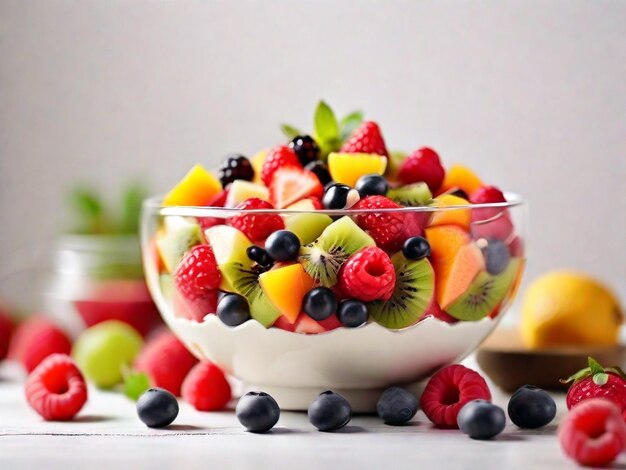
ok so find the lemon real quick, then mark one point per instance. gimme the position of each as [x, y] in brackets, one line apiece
[566, 308]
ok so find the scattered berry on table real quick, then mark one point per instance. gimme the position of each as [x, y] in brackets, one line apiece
[166, 361]
[319, 169]
[197, 273]
[352, 313]
[306, 148]
[330, 411]
[6, 327]
[497, 256]
[416, 248]
[257, 412]
[283, 245]
[593, 433]
[340, 196]
[368, 275]
[480, 419]
[157, 408]
[422, 165]
[278, 157]
[206, 388]
[235, 167]
[256, 226]
[319, 303]
[372, 185]
[259, 256]
[233, 310]
[35, 339]
[367, 138]
[448, 391]
[531, 407]
[386, 228]
[396, 406]
[56, 388]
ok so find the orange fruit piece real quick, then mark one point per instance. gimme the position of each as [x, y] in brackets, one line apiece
[195, 189]
[456, 261]
[285, 287]
[460, 217]
[347, 168]
[460, 177]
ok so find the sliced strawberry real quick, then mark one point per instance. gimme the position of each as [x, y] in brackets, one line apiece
[290, 184]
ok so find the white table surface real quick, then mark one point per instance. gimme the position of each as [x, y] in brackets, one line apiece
[108, 434]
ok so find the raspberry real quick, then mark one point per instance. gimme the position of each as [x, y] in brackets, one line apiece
[166, 361]
[6, 326]
[448, 390]
[593, 433]
[206, 388]
[36, 339]
[197, 273]
[56, 389]
[366, 139]
[422, 165]
[368, 275]
[278, 157]
[386, 228]
[256, 227]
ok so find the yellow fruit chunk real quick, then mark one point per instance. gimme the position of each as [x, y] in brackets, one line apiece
[347, 168]
[195, 189]
[460, 177]
[459, 217]
[257, 163]
[565, 308]
[286, 287]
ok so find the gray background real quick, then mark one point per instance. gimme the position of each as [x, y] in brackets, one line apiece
[532, 94]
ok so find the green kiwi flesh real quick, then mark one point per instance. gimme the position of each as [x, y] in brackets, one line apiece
[411, 195]
[176, 242]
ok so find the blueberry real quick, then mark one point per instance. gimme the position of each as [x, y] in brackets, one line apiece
[372, 185]
[340, 196]
[233, 310]
[496, 255]
[352, 313]
[320, 169]
[257, 411]
[235, 167]
[306, 149]
[282, 245]
[396, 406]
[330, 411]
[480, 419]
[259, 256]
[157, 408]
[416, 248]
[319, 303]
[531, 407]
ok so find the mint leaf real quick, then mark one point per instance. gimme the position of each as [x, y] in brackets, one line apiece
[135, 383]
[325, 123]
[131, 209]
[349, 124]
[89, 211]
[289, 131]
[595, 366]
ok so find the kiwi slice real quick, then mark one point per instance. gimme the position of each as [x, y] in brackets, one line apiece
[415, 194]
[307, 226]
[176, 240]
[244, 279]
[415, 287]
[484, 293]
[323, 258]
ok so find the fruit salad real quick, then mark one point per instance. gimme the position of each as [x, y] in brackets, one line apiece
[332, 230]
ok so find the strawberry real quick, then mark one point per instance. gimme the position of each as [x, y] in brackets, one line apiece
[386, 228]
[422, 165]
[596, 381]
[367, 138]
[290, 184]
[490, 222]
[256, 227]
[278, 157]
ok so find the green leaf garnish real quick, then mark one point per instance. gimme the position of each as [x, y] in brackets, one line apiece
[89, 211]
[135, 384]
[595, 366]
[349, 123]
[131, 209]
[289, 131]
[326, 126]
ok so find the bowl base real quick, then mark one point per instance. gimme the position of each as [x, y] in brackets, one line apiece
[362, 400]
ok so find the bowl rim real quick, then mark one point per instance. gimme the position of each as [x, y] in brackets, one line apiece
[154, 204]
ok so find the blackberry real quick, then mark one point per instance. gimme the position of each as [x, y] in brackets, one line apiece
[306, 149]
[235, 167]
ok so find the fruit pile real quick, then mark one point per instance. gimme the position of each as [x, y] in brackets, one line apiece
[306, 269]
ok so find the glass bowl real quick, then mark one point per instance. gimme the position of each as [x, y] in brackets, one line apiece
[442, 308]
